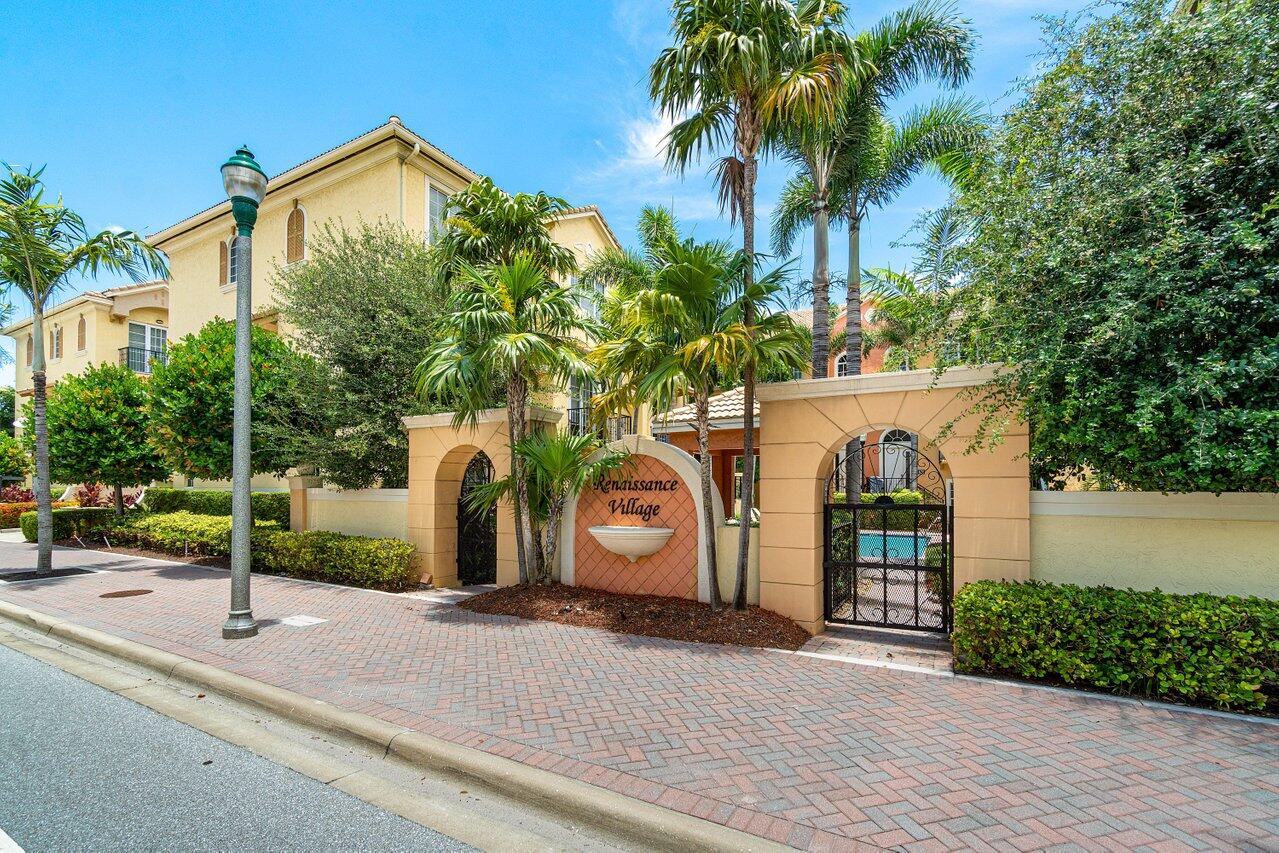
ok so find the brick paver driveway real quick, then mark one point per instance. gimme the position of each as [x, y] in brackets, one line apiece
[805, 751]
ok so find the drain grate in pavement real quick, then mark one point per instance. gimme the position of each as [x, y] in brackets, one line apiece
[17, 577]
[126, 593]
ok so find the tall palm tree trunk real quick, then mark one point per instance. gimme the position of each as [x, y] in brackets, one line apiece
[821, 288]
[748, 386]
[703, 415]
[853, 349]
[44, 500]
[515, 412]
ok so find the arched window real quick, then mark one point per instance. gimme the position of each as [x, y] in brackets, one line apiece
[31, 349]
[233, 262]
[295, 236]
[841, 364]
[55, 342]
[81, 335]
[224, 264]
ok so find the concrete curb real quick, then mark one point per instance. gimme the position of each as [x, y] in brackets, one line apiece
[661, 827]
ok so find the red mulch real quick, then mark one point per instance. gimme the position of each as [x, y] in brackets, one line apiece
[646, 615]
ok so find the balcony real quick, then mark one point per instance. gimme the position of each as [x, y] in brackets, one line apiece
[140, 359]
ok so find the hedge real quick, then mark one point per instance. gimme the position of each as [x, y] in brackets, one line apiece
[266, 506]
[11, 513]
[361, 561]
[1198, 649]
[68, 521]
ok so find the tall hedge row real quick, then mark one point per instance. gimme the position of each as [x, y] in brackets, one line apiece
[1199, 649]
[267, 506]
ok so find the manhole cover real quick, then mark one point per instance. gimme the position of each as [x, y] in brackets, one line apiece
[125, 593]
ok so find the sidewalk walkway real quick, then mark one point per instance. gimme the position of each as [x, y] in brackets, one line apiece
[803, 750]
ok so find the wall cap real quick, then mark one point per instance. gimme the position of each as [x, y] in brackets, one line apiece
[877, 383]
[536, 414]
[389, 495]
[1230, 506]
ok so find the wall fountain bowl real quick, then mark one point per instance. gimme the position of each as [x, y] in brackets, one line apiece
[631, 542]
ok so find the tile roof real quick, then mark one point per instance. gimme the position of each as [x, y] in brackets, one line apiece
[725, 406]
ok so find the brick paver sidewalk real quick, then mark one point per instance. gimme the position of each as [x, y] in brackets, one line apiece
[806, 751]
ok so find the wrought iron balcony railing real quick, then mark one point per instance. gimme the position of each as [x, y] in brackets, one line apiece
[580, 423]
[140, 359]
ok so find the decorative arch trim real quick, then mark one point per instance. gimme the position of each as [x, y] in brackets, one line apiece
[689, 472]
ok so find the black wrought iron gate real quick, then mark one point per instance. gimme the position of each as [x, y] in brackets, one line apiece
[476, 528]
[888, 556]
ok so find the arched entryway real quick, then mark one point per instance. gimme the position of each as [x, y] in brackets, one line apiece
[476, 526]
[888, 526]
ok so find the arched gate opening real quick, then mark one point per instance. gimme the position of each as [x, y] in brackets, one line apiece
[476, 527]
[888, 554]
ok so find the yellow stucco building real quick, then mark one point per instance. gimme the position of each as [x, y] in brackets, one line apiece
[389, 173]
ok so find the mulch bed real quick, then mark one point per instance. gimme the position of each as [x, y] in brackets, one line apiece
[645, 615]
[94, 543]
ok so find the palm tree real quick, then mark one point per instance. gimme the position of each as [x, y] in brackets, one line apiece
[907, 317]
[560, 467]
[685, 330]
[861, 159]
[508, 323]
[741, 69]
[41, 245]
[486, 226]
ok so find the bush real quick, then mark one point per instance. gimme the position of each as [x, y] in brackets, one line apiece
[68, 520]
[182, 532]
[321, 555]
[1199, 649]
[361, 561]
[11, 513]
[266, 506]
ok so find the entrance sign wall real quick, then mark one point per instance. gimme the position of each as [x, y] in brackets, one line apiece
[438, 457]
[803, 425]
[660, 487]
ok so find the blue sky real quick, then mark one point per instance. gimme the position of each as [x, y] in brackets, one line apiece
[133, 112]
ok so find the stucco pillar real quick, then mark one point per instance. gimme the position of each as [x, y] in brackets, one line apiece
[299, 519]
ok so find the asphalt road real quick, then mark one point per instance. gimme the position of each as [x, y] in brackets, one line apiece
[84, 769]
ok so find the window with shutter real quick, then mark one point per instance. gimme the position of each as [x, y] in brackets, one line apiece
[233, 261]
[31, 349]
[223, 263]
[295, 248]
[81, 335]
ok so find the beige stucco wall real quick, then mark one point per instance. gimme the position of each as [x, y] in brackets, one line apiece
[726, 552]
[1223, 544]
[804, 423]
[366, 512]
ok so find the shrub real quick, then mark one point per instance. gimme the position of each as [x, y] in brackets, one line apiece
[320, 555]
[267, 506]
[182, 532]
[11, 513]
[361, 561]
[68, 520]
[17, 493]
[1200, 649]
[14, 461]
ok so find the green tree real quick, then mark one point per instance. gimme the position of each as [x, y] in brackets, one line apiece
[508, 323]
[98, 431]
[190, 401]
[687, 328]
[15, 462]
[741, 70]
[560, 467]
[364, 305]
[8, 410]
[43, 244]
[862, 158]
[1125, 261]
[908, 318]
[486, 226]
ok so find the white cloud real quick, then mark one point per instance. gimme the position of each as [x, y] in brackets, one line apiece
[637, 174]
[643, 24]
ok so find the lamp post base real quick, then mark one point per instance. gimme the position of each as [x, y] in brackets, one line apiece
[239, 626]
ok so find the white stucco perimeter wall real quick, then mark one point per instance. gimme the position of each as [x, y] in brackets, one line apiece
[364, 512]
[1224, 544]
